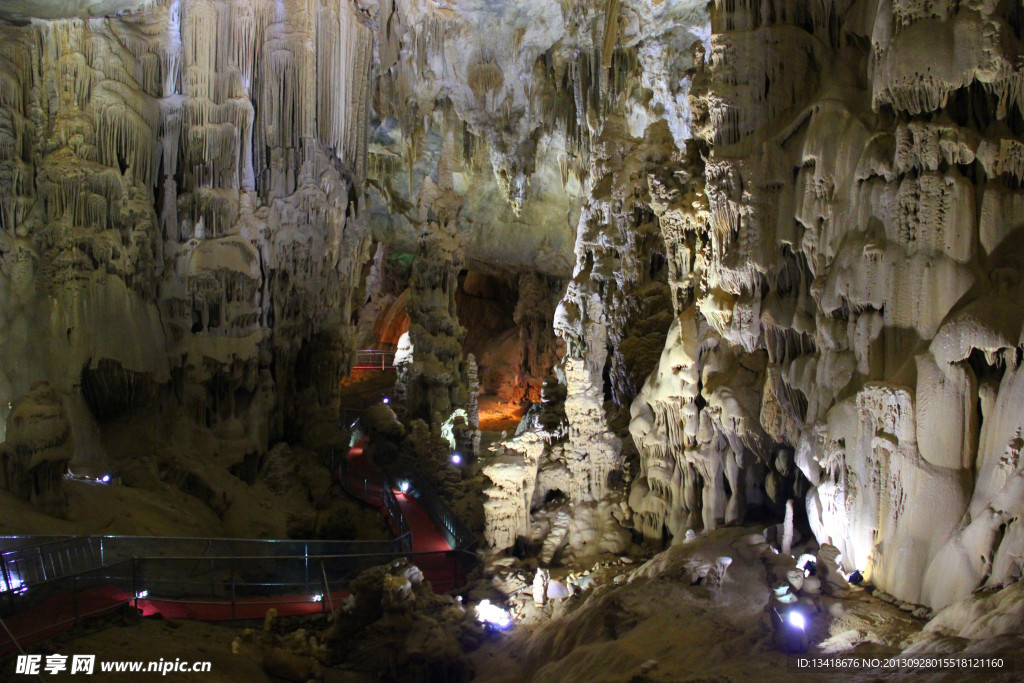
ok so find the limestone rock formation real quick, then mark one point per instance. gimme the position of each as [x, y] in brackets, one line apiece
[34, 458]
[434, 381]
[178, 225]
[846, 236]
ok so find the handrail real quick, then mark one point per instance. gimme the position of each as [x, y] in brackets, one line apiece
[371, 479]
[31, 563]
[374, 359]
[16, 542]
[35, 565]
[236, 583]
[341, 556]
[455, 531]
[134, 561]
[119, 566]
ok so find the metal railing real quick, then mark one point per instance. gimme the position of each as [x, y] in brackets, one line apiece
[455, 531]
[448, 523]
[50, 582]
[33, 614]
[204, 587]
[117, 548]
[369, 485]
[240, 579]
[8, 543]
[30, 566]
[374, 359]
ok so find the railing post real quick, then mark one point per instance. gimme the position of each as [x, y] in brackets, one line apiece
[5, 574]
[327, 589]
[209, 549]
[74, 595]
[233, 602]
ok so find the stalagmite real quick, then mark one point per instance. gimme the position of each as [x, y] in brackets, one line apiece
[787, 525]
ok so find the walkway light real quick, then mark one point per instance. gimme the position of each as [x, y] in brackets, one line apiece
[403, 486]
[456, 459]
[493, 616]
[16, 585]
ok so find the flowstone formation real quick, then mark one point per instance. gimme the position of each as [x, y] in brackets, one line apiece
[847, 252]
[180, 223]
[614, 314]
[830, 213]
[34, 458]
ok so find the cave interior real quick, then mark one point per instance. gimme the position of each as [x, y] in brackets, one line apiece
[698, 322]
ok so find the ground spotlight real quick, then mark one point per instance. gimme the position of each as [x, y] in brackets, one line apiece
[790, 627]
[492, 616]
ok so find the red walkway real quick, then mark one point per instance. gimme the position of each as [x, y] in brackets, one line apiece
[439, 566]
[58, 613]
[243, 608]
[442, 568]
[425, 536]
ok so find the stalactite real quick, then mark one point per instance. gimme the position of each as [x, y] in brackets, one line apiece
[124, 139]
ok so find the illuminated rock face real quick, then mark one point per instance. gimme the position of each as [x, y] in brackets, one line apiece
[848, 254]
[176, 219]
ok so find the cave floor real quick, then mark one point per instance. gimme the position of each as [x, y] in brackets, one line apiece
[497, 414]
[638, 622]
[642, 623]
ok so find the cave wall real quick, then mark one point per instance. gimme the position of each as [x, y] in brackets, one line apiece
[470, 72]
[846, 281]
[179, 214]
[790, 232]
